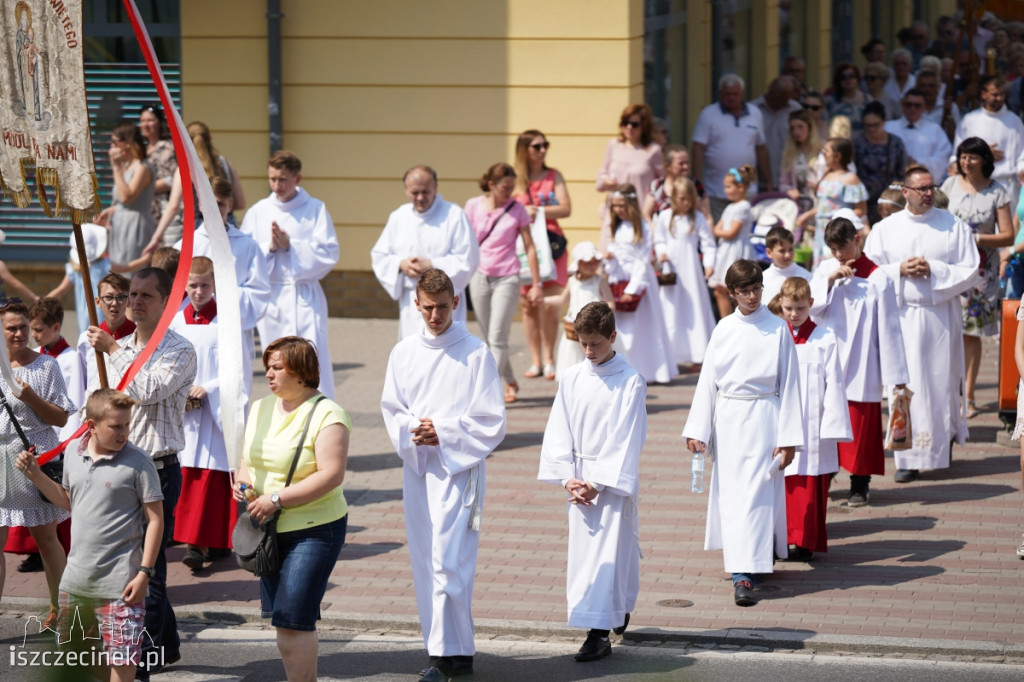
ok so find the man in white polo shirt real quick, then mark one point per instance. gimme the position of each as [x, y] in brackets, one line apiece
[776, 104]
[926, 144]
[728, 134]
[1001, 129]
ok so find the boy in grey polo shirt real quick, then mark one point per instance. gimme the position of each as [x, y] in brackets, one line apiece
[113, 491]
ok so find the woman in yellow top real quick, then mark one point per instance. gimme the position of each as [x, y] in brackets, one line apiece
[311, 528]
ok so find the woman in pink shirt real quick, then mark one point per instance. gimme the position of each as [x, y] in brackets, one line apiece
[632, 158]
[497, 220]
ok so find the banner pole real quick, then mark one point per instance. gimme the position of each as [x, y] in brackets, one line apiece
[90, 301]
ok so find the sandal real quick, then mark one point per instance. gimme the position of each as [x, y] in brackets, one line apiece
[510, 393]
[532, 373]
[51, 620]
[972, 410]
[549, 372]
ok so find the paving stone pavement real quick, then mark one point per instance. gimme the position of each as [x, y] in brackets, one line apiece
[928, 566]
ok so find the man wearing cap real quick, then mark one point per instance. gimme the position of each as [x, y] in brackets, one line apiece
[428, 232]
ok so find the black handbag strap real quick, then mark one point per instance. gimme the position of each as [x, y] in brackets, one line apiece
[302, 441]
[14, 421]
[508, 207]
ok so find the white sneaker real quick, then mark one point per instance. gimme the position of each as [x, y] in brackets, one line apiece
[1020, 550]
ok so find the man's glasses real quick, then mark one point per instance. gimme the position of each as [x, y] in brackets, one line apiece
[757, 289]
[109, 300]
[540, 146]
[924, 189]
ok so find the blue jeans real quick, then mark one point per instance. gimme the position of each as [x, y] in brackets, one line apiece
[161, 624]
[739, 577]
[291, 598]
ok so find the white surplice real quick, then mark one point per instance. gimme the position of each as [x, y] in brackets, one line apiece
[930, 318]
[72, 370]
[686, 304]
[863, 314]
[253, 286]
[441, 234]
[452, 380]
[204, 439]
[642, 332]
[297, 305]
[774, 276]
[746, 404]
[826, 415]
[595, 433]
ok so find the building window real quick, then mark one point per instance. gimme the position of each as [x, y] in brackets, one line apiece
[665, 59]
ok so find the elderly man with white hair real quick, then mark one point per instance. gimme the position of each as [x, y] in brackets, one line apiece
[729, 134]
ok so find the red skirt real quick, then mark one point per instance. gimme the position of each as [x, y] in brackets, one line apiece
[206, 512]
[806, 499]
[864, 456]
[19, 539]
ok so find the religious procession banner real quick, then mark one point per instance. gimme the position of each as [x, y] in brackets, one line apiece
[44, 122]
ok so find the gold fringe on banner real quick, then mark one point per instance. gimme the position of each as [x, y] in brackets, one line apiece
[21, 198]
[49, 177]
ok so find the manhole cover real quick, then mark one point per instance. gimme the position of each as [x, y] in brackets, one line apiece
[676, 603]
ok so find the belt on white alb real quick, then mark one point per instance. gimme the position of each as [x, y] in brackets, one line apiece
[750, 396]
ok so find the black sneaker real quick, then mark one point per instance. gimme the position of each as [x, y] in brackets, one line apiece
[744, 594]
[905, 475]
[193, 559]
[594, 648]
[31, 564]
[857, 499]
[799, 553]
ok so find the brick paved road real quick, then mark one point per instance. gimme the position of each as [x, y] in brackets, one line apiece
[933, 559]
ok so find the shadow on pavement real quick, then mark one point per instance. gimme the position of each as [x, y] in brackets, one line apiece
[858, 527]
[925, 493]
[523, 439]
[377, 462]
[202, 591]
[353, 551]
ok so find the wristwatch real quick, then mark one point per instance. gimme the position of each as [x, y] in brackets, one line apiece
[276, 499]
[147, 570]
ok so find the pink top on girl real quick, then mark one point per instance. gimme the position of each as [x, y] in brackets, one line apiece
[496, 232]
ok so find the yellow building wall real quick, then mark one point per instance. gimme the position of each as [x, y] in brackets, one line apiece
[371, 88]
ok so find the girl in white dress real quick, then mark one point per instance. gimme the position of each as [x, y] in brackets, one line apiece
[587, 284]
[642, 330]
[677, 233]
[732, 232]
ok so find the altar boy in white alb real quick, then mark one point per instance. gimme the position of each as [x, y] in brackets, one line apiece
[592, 445]
[747, 409]
[931, 256]
[296, 234]
[444, 410]
[427, 232]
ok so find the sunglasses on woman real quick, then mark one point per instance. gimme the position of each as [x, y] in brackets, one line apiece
[540, 146]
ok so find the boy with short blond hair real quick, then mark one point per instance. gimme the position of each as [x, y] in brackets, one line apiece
[779, 246]
[592, 445]
[113, 492]
[826, 422]
[206, 512]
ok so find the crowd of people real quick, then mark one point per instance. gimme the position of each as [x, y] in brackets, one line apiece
[812, 254]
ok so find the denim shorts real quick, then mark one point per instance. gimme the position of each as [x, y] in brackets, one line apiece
[291, 598]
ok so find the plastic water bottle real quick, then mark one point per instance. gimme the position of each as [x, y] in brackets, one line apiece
[552, 200]
[697, 473]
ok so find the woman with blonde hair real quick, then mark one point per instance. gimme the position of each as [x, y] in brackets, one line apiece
[539, 185]
[632, 158]
[215, 165]
[800, 164]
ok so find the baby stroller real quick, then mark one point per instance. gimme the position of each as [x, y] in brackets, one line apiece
[775, 209]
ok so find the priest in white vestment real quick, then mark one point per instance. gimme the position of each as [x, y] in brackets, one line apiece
[428, 232]
[296, 234]
[444, 410]
[250, 272]
[592, 445]
[747, 411]
[931, 256]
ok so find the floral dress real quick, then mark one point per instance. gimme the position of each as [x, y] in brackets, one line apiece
[20, 503]
[980, 303]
